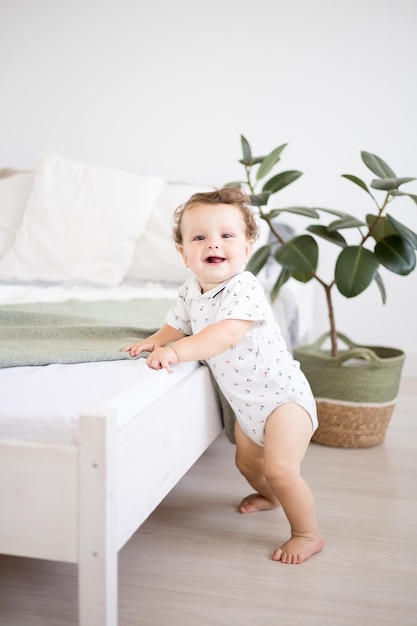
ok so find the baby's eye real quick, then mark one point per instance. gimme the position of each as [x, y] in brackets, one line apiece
[199, 238]
[227, 236]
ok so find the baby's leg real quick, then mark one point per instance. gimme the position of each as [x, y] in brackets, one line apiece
[250, 462]
[287, 436]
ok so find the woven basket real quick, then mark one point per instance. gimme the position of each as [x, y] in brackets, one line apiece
[355, 392]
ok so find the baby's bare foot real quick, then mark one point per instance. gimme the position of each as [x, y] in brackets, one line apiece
[298, 549]
[255, 502]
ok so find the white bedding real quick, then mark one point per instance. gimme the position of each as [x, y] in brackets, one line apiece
[55, 395]
[91, 449]
[14, 293]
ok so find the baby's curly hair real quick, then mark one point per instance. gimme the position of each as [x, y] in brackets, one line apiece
[227, 195]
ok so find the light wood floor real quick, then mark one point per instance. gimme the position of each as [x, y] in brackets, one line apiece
[198, 562]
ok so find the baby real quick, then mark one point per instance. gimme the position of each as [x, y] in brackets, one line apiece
[222, 316]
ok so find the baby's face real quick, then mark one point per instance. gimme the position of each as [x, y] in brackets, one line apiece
[215, 245]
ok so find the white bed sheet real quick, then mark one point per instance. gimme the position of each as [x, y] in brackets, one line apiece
[43, 403]
[26, 293]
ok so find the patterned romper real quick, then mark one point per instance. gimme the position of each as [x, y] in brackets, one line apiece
[258, 374]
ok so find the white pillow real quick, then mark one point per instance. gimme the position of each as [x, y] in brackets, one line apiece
[14, 192]
[156, 257]
[80, 223]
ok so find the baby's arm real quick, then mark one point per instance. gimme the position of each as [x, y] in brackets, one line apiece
[162, 337]
[213, 340]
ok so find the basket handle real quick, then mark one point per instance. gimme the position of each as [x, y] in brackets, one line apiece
[320, 341]
[363, 353]
[355, 351]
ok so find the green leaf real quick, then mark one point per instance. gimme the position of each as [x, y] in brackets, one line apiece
[271, 215]
[246, 151]
[382, 228]
[396, 255]
[300, 254]
[396, 192]
[252, 161]
[346, 222]
[355, 270]
[323, 232]
[236, 183]
[258, 259]
[301, 210]
[269, 162]
[412, 196]
[407, 234]
[377, 165]
[389, 184]
[259, 199]
[281, 280]
[332, 212]
[294, 210]
[357, 181]
[381, 287]
[302, 277]
[281, 180]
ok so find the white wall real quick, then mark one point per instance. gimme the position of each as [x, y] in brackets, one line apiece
[167, 87]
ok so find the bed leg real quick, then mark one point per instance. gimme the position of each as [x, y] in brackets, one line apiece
[97, 547]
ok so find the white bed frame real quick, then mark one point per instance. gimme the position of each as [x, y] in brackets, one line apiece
[81, 503]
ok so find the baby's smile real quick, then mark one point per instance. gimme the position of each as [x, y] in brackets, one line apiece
[215, 260]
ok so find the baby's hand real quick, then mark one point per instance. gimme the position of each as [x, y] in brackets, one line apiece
[141, 346]
[163, 358]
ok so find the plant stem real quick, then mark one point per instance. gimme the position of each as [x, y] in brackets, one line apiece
[271, 226]
[376, 220]
[330, 311]
[248, 180]
[333, 333]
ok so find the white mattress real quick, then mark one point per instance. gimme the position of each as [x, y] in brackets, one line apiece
[43, 403]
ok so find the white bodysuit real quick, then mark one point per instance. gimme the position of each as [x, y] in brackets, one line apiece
[258, 374]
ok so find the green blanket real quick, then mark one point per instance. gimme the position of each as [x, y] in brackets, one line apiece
[79, 332]
[75, 331]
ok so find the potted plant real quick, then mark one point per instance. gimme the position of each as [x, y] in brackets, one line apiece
[355, 387]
